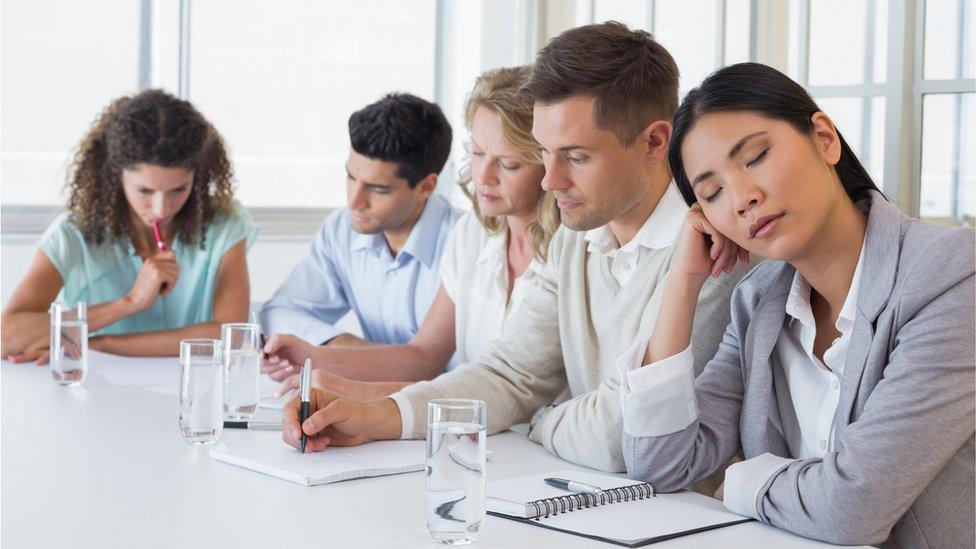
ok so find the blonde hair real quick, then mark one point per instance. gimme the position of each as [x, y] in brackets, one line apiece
[497, 90]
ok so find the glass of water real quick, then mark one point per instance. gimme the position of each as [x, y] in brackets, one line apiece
[201, 390]
[69, 342]
[242, 369]
[454, 503]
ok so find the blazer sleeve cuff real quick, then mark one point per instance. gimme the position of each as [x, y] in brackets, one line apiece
[301, 323]
[746, 480]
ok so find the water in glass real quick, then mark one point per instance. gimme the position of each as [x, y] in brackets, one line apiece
[455, 497]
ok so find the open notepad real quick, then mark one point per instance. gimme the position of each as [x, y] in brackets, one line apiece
[333, 465]
[628, 513]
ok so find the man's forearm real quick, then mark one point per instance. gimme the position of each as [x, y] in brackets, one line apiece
[348, 340]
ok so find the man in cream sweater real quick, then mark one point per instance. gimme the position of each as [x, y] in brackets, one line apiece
[604, 97]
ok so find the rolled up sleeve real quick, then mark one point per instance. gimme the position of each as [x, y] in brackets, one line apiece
[746, 480]
[659, 398]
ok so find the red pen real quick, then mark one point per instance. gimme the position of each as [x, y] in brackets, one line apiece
[160, 243]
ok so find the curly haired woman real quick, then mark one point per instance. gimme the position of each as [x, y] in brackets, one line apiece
[147, 158]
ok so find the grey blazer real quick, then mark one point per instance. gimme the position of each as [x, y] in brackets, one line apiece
[901, 470]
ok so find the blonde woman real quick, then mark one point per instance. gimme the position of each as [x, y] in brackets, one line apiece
[494, 251]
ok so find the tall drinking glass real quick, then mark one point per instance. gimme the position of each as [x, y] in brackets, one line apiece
[201, 390]
[455, 497]
[242, 369]
[69, 342]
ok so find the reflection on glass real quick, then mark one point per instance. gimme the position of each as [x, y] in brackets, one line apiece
[947, 191]
[847, 42]
[948, 39]
[861, 121]
[280, 79]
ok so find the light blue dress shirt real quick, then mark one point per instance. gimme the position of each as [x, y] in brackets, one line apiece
[347, 270]
[106, 272]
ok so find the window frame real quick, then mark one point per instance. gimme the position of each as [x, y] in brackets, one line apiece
[904, 91]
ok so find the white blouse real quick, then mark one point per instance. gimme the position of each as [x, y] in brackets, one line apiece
[474, 272]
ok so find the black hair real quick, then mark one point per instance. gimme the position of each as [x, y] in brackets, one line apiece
[406, 130]
[766, 91]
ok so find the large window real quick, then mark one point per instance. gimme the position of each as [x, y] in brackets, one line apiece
[944, 97]
[896, 76]
[62, 62]
[839, 52]
[702, 35]
[280, 79]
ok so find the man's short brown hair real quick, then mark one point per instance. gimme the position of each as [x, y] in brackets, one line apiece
[632, 78]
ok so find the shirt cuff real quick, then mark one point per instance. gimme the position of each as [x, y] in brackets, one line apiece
[655, 374]
[659, 398]
[290, 321]
[406, 415]
[535, 424]
[746, 479]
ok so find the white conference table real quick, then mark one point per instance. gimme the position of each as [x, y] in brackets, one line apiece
[103, 465]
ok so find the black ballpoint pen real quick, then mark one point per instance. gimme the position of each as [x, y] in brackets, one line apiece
[305, 389]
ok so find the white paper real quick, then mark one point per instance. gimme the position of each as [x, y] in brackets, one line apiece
[335, 464]
[162, 375]
[142, 372]
[647, 518]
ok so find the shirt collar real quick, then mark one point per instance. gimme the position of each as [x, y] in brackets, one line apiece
[659, 231]
[421, 243]
[798, 302]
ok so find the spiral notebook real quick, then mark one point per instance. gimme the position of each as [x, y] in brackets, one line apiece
[628, 513]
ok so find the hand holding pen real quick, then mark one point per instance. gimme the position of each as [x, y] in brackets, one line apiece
[157, 277]
[305, 389]
[333, 420]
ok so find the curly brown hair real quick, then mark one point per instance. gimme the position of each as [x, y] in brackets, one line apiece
[152, 127]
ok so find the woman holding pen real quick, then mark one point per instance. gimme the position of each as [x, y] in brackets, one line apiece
[152, 238]
[846, 376]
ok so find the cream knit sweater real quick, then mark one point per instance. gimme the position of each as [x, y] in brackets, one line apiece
[574, 323]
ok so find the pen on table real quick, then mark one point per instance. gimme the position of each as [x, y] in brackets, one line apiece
[160, 243]
[305, 389]
[572, 486]
[253, 425]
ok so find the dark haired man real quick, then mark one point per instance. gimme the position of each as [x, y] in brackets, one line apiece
[604, 97]
[378, 256]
